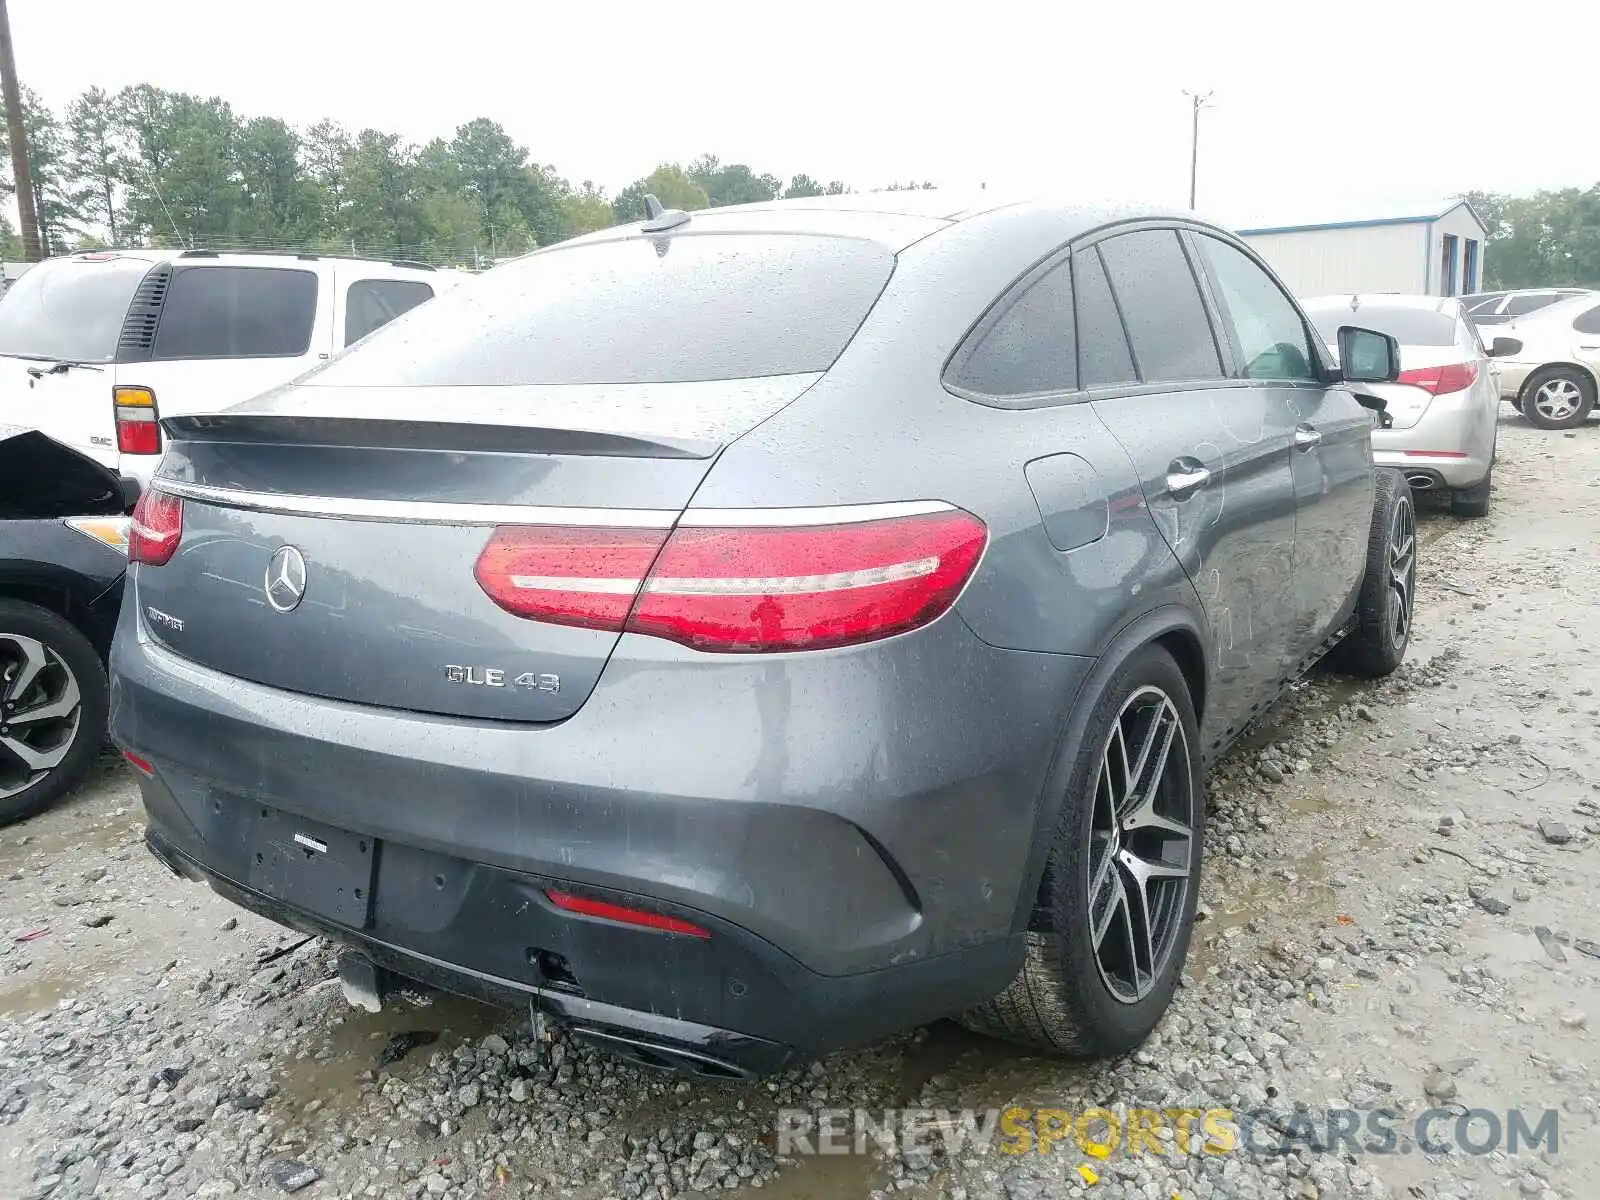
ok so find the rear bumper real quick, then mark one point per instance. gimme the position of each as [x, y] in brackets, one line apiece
[851, 827]
[1463, 426]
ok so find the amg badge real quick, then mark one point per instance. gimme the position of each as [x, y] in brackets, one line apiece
[495, 677]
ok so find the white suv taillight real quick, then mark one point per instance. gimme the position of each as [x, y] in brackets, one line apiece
[739, 588]
[136, 416]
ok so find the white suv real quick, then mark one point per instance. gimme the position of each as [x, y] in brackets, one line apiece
[96, 347]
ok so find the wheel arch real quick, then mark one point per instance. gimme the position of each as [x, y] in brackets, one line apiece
[65, 593]
[1177, 630]
[1561, 364]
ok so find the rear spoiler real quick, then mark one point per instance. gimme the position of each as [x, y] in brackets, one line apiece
[379, 433]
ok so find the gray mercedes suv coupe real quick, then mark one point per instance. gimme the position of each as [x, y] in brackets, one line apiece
[753, 632]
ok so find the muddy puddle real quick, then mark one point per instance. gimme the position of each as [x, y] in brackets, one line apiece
[352, 1044]
[21, 996]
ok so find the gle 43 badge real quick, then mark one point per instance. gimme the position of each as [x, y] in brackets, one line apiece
[531, 681]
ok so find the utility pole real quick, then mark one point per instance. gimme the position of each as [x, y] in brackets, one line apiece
[1199, 102]
[27, 213]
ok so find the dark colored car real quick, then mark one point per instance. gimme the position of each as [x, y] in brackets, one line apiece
[755, 632]
[63, 553]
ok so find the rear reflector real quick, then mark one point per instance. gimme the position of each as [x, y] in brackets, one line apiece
[156, 528]
[586, 907]
[139, 764]
[739, 589]
[137, 430]
[1439, 381]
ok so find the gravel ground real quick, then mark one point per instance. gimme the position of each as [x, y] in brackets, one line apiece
[1399, 913]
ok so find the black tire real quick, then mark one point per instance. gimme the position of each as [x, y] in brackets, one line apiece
[1062, 1000]
[1377, 645]
[65, 647]
[1473, 501]
[1569, 380]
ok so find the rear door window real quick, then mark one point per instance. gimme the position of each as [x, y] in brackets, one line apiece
[237, 312]
[372, 303]
[69, 309]
[1104, 359]
[680, 309]
[1588, 322]
[1030, 347]
[1161, 306]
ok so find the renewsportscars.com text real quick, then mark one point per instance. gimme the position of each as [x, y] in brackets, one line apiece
[1102, 1132]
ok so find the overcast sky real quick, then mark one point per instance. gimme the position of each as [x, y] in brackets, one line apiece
[1319, 110]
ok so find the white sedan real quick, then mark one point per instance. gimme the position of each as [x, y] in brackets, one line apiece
[1551, 369]
[1445, 404]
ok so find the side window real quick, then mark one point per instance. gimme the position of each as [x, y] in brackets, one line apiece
[1272, 338]
[1103, 355]
[1520, 305]
[1031, 347]
[237, 312]
[1588, 322]
[371, 303]
[1161, 306]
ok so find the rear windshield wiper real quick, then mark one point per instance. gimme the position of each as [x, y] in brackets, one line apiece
[60, 367]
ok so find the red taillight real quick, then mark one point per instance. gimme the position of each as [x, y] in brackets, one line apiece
[1439, 381]
[739, 588]
[605, 911]
[156, 528]
[136, 416]
[568, 575]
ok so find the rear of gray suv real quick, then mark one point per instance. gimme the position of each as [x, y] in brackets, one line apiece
[660, 633]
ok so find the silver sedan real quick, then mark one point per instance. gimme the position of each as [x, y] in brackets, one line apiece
[1446, 402]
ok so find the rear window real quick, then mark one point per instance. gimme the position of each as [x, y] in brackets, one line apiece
[674, 310]
[1408, 326]
[69, 309]
[237, 312]
[372, 303]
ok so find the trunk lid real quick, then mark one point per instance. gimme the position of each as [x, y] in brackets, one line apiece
[388, 516]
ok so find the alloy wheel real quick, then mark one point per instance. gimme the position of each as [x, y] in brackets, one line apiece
[40, 710]
[1557, 399]
[1141, 851]
[1402, 570]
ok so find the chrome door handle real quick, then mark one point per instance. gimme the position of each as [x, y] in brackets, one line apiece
[1305, 438]
[1186, 482]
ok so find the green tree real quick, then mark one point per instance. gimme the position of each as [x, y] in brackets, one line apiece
[668, 183]
[734, 183]
[276, 203]
[324, 149]
[58, 195]
[587, 209]
[97, 158]
[804, 185]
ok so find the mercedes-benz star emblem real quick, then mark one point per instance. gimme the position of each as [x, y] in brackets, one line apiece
[286, 579]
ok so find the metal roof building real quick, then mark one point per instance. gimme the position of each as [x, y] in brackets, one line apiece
[1437, 250]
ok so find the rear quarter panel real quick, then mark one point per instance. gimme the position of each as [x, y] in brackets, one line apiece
[880, 426]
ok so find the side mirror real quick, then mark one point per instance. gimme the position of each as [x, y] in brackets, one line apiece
[130, 493]
[1367, 356]
[1504, 347]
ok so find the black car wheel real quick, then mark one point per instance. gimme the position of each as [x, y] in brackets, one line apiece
[1122, 879]
[1377, 645]
[53, 700]
[1558, 398]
